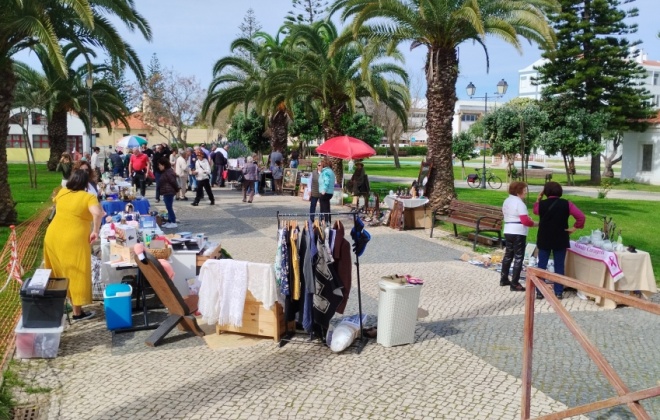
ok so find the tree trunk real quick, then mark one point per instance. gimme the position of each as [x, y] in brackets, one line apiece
[395, 154]
[595, 168]
[331, 128]
[441, 99]
[8, 213]
[612, 159]
[278, 128]
[57, 133]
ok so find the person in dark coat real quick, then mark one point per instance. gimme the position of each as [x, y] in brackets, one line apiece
[359, 185]
[554, 233]
[167, 182]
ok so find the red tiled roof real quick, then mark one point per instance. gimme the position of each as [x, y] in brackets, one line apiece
[134, 121]
[656, 119]
[651, 63]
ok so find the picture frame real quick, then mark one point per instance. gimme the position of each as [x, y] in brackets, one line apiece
[289, 179]
[422, 178]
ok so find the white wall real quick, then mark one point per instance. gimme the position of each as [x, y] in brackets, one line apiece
[631, 164]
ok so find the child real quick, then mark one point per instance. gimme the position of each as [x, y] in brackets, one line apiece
[277, 177]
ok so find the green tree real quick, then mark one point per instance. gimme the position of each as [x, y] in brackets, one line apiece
[250, 130]
[307, 11]
[565, 130]
[337, 78]
[248, 29]
[594, 65]
[28, 23]
[361, 127]
[115, 76]
[441, 27]
[462, 147]
[71, 94]
[514, 129]
[305, 124]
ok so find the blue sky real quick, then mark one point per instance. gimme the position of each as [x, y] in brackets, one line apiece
[191, 36]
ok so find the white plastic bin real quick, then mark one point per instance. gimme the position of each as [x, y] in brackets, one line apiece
[397, 313]
[37, 342]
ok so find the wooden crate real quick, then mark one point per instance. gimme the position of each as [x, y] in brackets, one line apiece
[258, 321]
[215, 255]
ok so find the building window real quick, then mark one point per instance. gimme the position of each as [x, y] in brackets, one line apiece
[647, 157]
[15, 141]
[38, 119]
[523, 77]
[655, 78]
[74, 142]
[40, 141]
[469, 117]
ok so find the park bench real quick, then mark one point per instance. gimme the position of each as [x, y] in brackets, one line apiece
[305, 165]
[482, 217]
[536, 173]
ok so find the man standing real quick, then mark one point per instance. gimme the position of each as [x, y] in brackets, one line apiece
[275, 156]
[161, 151]
[192, 181]
[94, 162]
[138, 167]
[117, 163]
[219, 162]
[182, 171]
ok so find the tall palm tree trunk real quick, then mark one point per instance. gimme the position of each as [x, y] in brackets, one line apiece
[8, 213]
[332, 128]
[278, 128]
[441, 99]
[57, 133]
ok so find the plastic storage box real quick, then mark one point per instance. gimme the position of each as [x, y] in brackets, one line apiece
[44, 311]
[397, 313]
[37, 342]
[118, 306]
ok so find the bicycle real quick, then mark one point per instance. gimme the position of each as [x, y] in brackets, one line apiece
[474, 180]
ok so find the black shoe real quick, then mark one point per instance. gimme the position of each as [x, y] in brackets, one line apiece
[194, 203]
[158, 200]
[517, 288]
[505, 283]
[185, 198]
[539, 295]
[212, 203]
[178, 199]
[559, 296]
[83, 316]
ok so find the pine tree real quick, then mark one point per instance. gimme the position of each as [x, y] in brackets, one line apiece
[594, 65]
[114, 74]
[307, 11]
[248, 28]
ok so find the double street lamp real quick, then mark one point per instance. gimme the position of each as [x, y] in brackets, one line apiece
[502, 86]
[90, 84]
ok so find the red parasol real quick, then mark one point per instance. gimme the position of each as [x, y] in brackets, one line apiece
[345, 147]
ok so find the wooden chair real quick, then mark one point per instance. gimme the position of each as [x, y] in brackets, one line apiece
[180, 314]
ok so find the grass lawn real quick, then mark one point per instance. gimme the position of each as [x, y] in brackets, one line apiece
[29, 200]
[631, 216]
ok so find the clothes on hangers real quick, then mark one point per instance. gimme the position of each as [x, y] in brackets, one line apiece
[295, 263]
[328, 288]
[343, 262]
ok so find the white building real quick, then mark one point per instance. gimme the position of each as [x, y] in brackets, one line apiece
[527, 88]
[641, 154]
[34, 121]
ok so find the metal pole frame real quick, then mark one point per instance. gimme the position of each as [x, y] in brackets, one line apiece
[483, 151]
[89, 109]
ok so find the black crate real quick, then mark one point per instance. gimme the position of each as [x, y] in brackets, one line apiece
[45, 311]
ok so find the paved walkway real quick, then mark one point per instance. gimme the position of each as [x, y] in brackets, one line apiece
[535, 189]
[465, 363]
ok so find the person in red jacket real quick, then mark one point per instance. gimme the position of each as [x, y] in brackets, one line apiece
[138, 168]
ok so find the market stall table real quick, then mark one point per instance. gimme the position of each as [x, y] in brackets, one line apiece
[637, 273]
[415, 215]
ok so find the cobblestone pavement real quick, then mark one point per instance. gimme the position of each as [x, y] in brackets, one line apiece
[465, 363]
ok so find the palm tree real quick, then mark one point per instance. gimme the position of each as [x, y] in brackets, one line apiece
[24, 24]
[239, 80]
[338, 82]
[441, 26]
[63, 95]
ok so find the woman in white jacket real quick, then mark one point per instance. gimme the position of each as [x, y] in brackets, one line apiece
[202, 173]
[182, 170]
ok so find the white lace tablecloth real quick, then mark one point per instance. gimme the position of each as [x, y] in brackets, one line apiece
[408, 203]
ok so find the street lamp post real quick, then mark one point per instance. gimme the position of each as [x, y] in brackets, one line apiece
[90, 84]
[502, 86]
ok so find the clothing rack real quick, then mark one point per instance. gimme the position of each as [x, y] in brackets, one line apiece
[362, 340]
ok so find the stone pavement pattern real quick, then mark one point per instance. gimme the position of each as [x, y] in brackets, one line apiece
[465, 363]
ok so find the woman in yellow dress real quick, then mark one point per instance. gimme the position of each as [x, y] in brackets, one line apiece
[67, 245]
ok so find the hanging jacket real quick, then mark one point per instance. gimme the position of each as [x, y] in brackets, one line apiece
[343, 263]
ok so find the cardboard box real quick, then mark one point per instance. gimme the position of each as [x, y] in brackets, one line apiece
[124, 253]
[126, 235]
[417, 218]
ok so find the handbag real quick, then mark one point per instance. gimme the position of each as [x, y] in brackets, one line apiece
[240, 178]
